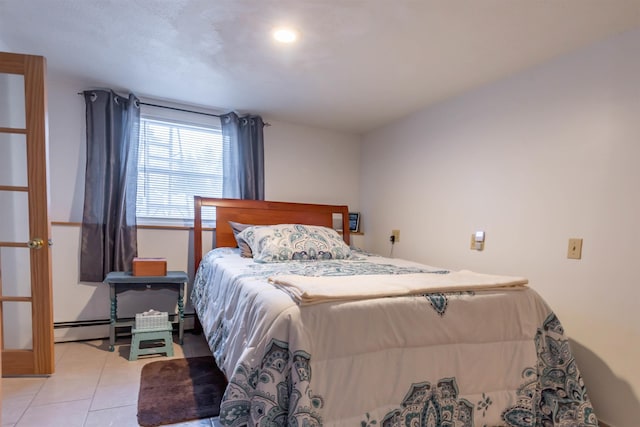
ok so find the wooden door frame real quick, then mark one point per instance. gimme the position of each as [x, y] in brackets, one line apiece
[40, 359]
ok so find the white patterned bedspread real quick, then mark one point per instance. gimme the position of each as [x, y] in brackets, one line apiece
[478, 358]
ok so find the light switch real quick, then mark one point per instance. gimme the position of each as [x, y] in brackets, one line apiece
[477, 241]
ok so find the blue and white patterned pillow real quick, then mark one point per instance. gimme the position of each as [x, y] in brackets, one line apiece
[285, 242]
[245, 250]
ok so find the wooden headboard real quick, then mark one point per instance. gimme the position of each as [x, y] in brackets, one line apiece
[260, 212]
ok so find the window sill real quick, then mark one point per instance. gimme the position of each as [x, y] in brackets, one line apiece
[140, 226]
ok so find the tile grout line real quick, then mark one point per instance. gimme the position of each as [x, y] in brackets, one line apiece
[95, 390]
[33, 397]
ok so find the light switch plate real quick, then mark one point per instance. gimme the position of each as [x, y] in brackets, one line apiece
[477, 245]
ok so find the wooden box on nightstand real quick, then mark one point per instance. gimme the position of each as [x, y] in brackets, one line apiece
[149, 266]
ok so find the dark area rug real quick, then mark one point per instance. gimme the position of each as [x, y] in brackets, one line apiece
[178, 390]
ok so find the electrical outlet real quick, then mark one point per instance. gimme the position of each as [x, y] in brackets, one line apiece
[575, 249]
[396, 235]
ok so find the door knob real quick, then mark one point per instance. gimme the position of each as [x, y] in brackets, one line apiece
[36, 243]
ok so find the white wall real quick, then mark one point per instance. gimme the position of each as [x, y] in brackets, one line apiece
[309, 165]
[533, 160]
[302, 164]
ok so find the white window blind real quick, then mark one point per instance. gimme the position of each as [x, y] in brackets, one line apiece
[176, 162]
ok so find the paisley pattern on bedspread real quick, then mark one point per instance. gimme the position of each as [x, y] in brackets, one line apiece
[276, 393]
[426, 405]
[554, 393]
[335, 268]
[357, 265]
[440, 301]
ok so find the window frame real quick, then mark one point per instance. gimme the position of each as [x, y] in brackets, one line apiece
[178, 118]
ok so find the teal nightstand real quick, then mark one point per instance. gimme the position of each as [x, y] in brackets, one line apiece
[125, 281]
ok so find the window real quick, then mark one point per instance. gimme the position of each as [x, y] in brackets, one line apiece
[177, 161]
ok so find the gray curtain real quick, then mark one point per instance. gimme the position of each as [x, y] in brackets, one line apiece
[243, 157]
[109, 230]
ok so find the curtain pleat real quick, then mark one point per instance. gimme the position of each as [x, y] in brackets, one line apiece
[109, 230]
[243, 156]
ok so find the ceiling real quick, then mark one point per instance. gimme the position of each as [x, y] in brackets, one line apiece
[358, 65]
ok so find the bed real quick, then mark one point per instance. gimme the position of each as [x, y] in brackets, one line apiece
[344, 338]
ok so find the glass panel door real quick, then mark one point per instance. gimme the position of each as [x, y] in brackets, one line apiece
[12, 103]
[26, 336]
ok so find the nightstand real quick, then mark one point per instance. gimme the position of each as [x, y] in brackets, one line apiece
[125, 281]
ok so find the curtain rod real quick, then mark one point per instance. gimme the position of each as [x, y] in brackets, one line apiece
[266, 124]
[179, 109]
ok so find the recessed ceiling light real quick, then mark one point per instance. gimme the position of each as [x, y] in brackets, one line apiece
[285, 35]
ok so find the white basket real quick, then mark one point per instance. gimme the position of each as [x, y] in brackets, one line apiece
[152, 320]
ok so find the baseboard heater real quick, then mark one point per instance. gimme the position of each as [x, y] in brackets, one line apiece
[80, 323]
[99, 322]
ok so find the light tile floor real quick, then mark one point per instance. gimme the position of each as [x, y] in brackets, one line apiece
[91, 387]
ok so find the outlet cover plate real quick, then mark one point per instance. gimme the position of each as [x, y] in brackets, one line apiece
[574, 251]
